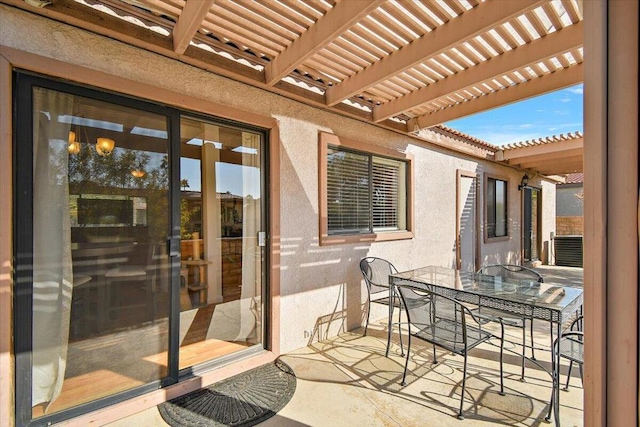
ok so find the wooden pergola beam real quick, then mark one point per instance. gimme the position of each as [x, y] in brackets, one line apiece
[538, 50]
[558, 166]
[471, 23]
[188, 23]
[547, 83]
[556, 147]
[335, 22]
[546, 157]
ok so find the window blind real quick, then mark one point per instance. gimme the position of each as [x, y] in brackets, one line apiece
[365, 193]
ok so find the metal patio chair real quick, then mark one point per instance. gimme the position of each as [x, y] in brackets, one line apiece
[446, 323]
[513, 272]
[376, 273]
[571, 347]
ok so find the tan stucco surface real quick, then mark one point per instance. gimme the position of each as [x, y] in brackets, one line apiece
[321, 287]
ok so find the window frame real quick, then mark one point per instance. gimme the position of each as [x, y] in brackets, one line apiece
[326, 140]
[507, 236]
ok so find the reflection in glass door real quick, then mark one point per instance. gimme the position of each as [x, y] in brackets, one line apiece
[531, 224]
[221, 266]
[93, 282]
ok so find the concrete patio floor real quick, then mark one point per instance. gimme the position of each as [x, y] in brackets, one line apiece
[348, 381]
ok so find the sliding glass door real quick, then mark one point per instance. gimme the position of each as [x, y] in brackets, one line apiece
[531, 224]
[127, 270]
[221, 216]
[93, 217]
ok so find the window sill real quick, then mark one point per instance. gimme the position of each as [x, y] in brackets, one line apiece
[344, 239]
[496, 239]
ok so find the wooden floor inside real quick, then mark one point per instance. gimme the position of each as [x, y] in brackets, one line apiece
[102, 366]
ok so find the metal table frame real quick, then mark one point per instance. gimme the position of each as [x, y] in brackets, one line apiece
[527, 308]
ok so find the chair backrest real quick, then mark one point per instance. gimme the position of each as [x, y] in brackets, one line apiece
[510, 271]
[426, 311]
[376, 273]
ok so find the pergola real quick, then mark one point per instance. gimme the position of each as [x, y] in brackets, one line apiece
[405, 65]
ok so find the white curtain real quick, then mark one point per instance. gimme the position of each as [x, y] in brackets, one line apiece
[52, 267]
[250, 303]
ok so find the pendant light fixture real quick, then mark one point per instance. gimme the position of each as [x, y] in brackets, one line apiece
[104, 146]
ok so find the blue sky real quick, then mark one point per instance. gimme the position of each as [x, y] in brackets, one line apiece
[546, 115]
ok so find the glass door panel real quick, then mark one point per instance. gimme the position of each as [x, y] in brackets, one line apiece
[530, 227]
[100, 272]
[221, 266]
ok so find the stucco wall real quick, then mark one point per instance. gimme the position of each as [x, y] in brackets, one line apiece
[321, 287]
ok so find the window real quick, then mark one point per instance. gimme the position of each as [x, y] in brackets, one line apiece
[364, 192]
[496, 202]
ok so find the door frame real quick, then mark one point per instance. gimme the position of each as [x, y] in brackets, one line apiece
[460, 173]
[14, 59]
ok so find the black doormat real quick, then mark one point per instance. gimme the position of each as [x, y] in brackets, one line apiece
[240, 401]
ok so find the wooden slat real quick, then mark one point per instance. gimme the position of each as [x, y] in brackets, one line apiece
[309, 13]
[253, 20]
[468, 25]
[167, 9]
[560, 41]
[448, 62]
[537, 24]
[330, 60]
[572, 11]
[563, 60]
[521, 30]
[337, 48]
[435, 65]
[382, 16]
[242, 37]
[285, 12]
[469, 54]
[480, 48]
[371, 40]
[242, 25]
[334, 23]
[438, 11]
[395, 10]
[553, 16]
[507, 36]
[384, 32]
[347, 45]
[420, 14]
[548, 83]
[268, 13]
[550, 65]
[456, 6]
[493, 42]
[577, 54]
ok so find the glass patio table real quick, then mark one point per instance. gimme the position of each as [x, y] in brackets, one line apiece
[525, 298]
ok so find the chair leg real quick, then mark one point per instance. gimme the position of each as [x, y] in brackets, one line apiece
[366, 325]
[524, 347]
[406, 363]
[533, 349]
[548, 417]
[464, 383]
[566, 387]
[553, 369]
[435, 358]
[501, 360]
[581, 374]
[400, 324]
